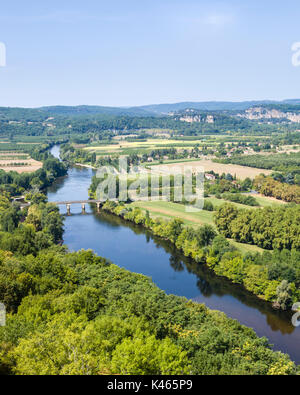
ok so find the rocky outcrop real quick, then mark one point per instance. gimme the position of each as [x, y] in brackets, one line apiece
[262, 113]
[190, 116]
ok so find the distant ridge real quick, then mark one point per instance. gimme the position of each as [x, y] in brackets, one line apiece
[154, 110]
[90, 110]
[213, 105]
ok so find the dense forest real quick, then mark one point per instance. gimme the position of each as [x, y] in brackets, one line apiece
[31, 229]
[92, 317]
[275, 227]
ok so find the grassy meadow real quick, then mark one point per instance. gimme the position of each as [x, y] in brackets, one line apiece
[169, 210]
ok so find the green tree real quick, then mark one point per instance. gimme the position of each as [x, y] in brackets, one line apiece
[283, 294]
[149, 356]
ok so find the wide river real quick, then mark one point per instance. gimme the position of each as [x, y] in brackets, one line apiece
[133, 248]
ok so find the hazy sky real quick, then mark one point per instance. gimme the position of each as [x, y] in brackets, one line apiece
[133, 52]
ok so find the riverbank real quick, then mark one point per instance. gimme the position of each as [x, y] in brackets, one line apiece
[213, 250]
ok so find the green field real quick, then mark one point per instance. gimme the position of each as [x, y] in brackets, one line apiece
[124, 147]
[265, 201]
[245, 248]
[218, 202]
[262, 201]
[169, 210]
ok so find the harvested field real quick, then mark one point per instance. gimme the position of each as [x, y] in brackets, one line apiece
[241, 172]
[20, 166]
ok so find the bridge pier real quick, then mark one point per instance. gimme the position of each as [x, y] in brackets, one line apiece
[98, 207]
[68, 209]
[83, 208]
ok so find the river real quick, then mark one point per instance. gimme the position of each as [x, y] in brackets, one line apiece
[135, 249]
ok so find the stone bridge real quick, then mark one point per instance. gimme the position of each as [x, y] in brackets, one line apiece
[83, 203]
[68, 204]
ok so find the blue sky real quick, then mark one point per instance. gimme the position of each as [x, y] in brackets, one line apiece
[134, 52]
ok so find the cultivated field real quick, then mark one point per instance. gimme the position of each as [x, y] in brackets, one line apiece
[153, 143]
[289, 149]
[127, 147]
[241, 172]
[20, 166]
